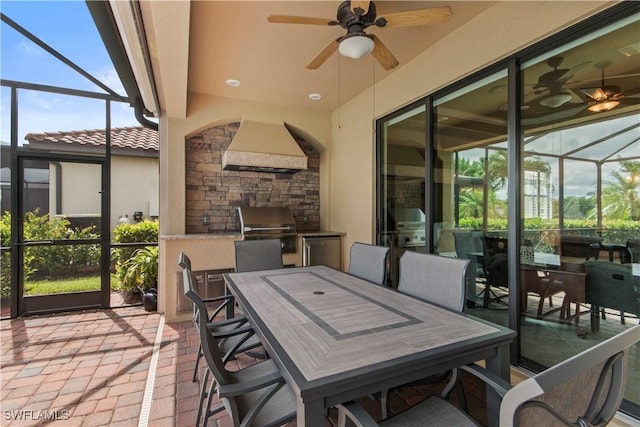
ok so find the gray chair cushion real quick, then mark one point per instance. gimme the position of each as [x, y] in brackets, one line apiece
[434, 411]
[437, 279]
[369, 262]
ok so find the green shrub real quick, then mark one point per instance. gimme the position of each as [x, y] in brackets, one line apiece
[142, 232]
[145, 231]
[59, 261]
[48, 262]
[139, 270]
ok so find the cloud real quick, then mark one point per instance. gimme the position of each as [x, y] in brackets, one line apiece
[110, 77]
[28, 48]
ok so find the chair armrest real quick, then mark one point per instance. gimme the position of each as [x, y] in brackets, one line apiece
[219, 298]
[231, 390]
[358, 416]
[240, 320]
[499, 385]
[224, 300]
[233, 332]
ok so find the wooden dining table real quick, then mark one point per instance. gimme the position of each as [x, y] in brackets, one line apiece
[336, 337]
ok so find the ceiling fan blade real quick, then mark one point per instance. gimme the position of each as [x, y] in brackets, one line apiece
[286, 19]
[594, 93]
[324, 55]
[364, 5]
[410, 18]
[383, 55]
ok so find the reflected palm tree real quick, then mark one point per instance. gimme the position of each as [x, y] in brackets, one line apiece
[498, 165]
[621, 195]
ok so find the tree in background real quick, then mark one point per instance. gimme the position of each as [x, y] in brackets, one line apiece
[621, 195]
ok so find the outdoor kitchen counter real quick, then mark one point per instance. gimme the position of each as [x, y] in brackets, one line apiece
[208, 252]
[311, 233]
[230, 235]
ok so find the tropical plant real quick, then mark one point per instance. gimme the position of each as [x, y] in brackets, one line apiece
[621, 195]
[140, 270]
[576, 207]
[145, 231]
[471, 203]
[498, 164]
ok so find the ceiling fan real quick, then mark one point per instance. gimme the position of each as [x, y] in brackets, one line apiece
[603, 98]
[554, 82]
[355, 17]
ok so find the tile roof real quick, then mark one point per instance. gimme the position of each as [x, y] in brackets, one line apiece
[137, 138]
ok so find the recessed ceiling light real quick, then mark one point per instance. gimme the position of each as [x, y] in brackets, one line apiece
[233, 82]
[315, 96]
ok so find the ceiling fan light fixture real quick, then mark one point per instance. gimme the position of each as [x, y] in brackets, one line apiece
[356, 46]
[555, 100]
[603, 105]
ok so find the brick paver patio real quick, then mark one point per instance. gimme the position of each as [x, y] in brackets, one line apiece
[91, 369]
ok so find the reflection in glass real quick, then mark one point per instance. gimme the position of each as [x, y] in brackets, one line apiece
[581, 207]
[403, 180]
[470, 185]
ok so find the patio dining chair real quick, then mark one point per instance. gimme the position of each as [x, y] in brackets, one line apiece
[229, 341]
[369, 262]
[437, 279]
[496, 264]
[256, 395]
[219, 327]
[586, 389]
[256, 255]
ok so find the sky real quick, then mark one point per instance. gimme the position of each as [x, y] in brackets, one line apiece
[67, 27]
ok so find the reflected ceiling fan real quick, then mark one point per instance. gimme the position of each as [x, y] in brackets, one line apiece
[552, 84]
[355, 17]
[603, 98]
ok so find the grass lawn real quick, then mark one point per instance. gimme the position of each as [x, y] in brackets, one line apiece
[47, 287]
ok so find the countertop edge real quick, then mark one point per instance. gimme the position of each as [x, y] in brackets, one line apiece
[238, 236]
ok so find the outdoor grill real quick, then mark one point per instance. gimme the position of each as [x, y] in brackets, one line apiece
[269, 223]
[409, 226]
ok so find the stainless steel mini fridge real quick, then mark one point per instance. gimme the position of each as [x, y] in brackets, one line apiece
[321, 250]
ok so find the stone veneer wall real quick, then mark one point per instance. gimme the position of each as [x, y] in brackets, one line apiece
[217, 193]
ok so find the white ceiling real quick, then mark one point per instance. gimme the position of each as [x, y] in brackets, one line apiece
[234, 40]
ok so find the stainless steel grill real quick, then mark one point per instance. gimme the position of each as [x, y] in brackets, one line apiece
[269, 223]
[409, 227]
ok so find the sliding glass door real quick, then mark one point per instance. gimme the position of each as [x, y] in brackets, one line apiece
[531, 170]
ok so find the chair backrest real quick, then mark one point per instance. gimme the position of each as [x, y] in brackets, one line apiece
[612, 285]
[369, 262]
[210, 347]
[633, 247]
[254, 255]
[495, 259]
[467, 242]
[185, 262]
[589, 385]
[437, 279]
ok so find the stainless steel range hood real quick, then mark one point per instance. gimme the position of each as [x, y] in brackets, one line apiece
[264, 147]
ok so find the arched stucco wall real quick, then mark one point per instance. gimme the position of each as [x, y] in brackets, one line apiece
[205, 112]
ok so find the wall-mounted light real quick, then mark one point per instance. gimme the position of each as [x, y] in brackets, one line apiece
[205, 219]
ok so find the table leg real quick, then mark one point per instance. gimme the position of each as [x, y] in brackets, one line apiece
[498, 365]
[310, 414]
